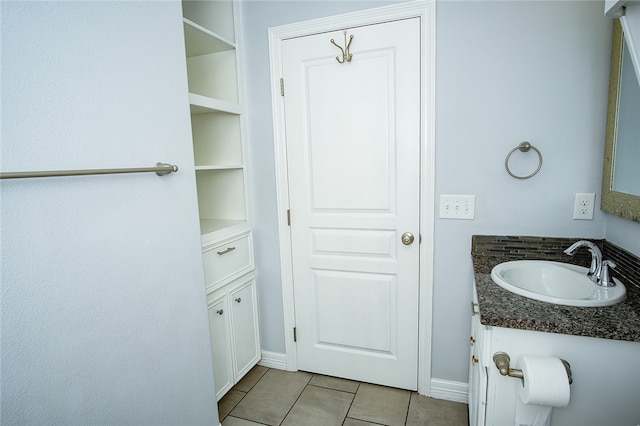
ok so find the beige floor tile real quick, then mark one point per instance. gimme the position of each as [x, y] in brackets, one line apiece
[436, 412]
[251, 378]
[234, 421]
[379, 404]
[272, 397]
[334, 383]
[319, 407]
[228, 402]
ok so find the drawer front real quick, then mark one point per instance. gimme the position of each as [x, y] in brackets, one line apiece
[227, 260]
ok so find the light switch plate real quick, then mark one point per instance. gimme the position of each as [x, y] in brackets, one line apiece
[457, 207]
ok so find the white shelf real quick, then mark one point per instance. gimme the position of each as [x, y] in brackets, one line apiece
[214, 75]
[216, 113]
[217, 140]
[215, 15]
[221, 194]
[204, 104]
[201, 41]
[216, 229]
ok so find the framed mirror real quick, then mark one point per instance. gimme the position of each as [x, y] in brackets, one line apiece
[621, 171]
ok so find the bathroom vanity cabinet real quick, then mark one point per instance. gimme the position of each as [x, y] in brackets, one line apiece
[605, 380]
[211, 33]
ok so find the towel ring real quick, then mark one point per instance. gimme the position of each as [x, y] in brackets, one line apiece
[523, 147]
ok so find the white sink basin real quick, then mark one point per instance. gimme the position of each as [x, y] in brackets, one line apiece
[555, 282]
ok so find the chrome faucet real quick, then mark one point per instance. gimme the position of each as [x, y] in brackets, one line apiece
[605, 277]
[599, 270]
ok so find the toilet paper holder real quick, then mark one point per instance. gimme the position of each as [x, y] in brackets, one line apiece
[502, 361]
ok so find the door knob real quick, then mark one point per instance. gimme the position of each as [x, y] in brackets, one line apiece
[407, 238]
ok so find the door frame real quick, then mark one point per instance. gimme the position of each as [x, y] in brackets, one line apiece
[425, 10]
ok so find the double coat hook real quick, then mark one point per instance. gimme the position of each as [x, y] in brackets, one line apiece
[346, 56]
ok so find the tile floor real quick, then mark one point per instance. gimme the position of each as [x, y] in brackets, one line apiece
[274, 397]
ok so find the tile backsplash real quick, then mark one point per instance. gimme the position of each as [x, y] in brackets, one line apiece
[628, 269]
[552, 248]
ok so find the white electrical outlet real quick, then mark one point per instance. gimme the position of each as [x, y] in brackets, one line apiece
[457, 206]
[583, 206]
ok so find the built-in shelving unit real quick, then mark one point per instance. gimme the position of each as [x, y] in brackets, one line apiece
[217, 127]
[216, 115]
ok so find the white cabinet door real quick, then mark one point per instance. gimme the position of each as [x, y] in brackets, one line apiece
[235, 337]
[219, 315]
[477, 375]
[245, 327]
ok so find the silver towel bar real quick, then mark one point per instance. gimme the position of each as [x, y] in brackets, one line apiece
[160, 169]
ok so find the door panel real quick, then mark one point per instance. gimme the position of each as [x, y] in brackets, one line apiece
[353, 151]
[355, 311]
[364, 185]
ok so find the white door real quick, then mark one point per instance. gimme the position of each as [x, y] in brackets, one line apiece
[353, 152]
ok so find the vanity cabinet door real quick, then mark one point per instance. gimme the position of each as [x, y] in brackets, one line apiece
[477, 371]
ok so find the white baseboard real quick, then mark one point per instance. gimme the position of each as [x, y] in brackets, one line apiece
[449, 390]
[273, 360]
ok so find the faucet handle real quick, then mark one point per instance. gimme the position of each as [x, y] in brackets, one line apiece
[605, 279]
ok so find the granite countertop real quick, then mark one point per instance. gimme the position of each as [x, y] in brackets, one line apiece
[500, 308]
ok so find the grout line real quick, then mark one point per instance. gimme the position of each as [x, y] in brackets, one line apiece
[296, 401]
[346, 416]
[240, 400]
[252, 421]
[257, 381]
[406, 417]
[232, 408]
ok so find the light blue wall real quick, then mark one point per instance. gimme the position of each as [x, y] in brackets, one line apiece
[623, 233]
[104, 315]
[507, 71]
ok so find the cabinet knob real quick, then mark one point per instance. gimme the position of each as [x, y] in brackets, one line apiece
[238, 299]
[219, 312]
[474, 360]
[472, 340]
